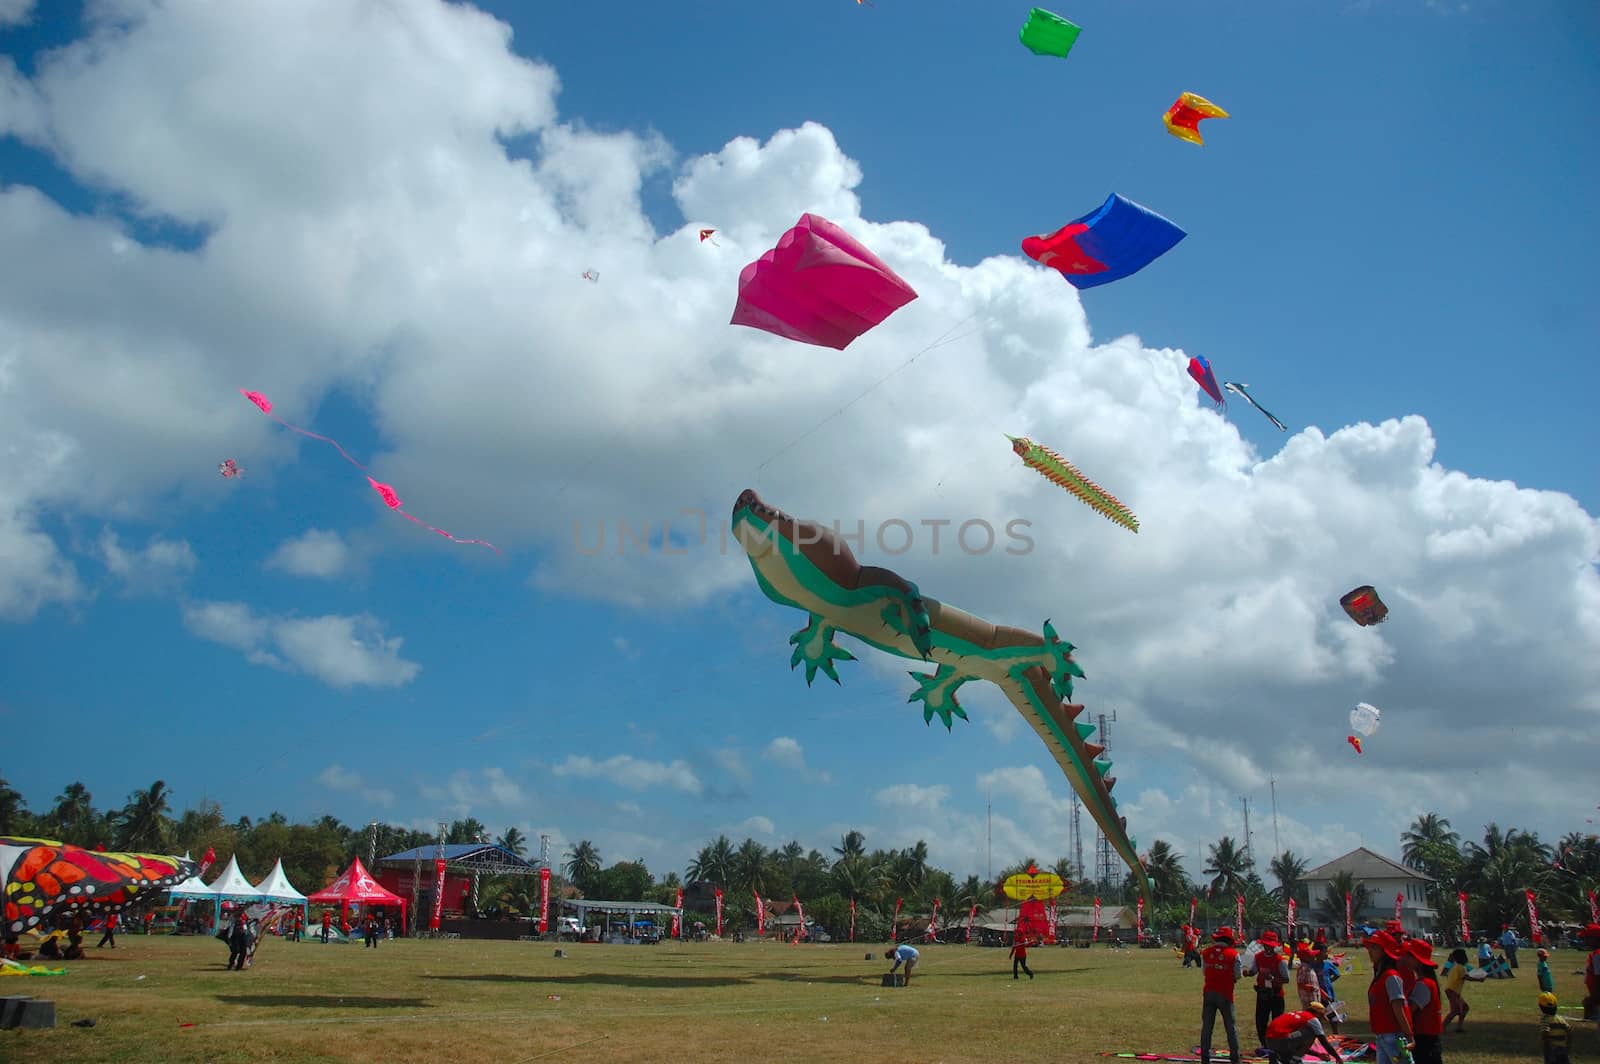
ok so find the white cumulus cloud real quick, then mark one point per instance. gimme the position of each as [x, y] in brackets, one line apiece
[341, 651]
[317, 552]
[637, 774]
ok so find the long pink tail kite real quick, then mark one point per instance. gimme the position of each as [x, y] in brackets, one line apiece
[386, 492]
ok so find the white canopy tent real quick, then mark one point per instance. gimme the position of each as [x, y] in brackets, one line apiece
[276, 887]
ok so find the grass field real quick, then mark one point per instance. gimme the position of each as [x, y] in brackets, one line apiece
[515, 1002]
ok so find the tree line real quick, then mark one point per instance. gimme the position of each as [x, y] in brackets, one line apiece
[1494, 873]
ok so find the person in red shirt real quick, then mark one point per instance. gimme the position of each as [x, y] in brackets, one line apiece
[111, 932]
[1220, 963]
[1191, 946]
[1019, 957]
[327, 923]
[1272, 972]
[1591, 975]
[1290, 1035]
[1427, 1017]
[1388, 1013]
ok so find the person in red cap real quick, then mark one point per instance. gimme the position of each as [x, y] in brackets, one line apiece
[1427, 1017]
[1272, 972]
[1388, 1013]
[1220, 963]
[1307, 983]
[1290, 1035]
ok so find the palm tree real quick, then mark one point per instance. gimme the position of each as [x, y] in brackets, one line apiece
[1330, 908]
[73, 813]
[142, 825]
[1427, 834]
[752, 867]
[1164, 865]
[1228, 868]
[1289, 871]
[583, 864]
[514, 841]
[14, 817]
[852, 844]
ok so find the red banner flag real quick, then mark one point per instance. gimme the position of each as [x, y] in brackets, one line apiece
[1461, 900]
[1533, 920]
[544, 900]
[1240, 907]
[1139, 926]
[852, 919]
[974, 913]
[438, 895]
[1094, 935]
[800, 912]
[1399, 903]
[933, 922]
[1291, 919]
[677, 917]
[761, 915]
[894, 925]
[1347, 931]
[719, 912]
[1594, 909]
[209, 859]
[1193, 904]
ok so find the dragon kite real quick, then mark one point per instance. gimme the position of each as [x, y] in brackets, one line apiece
[811, 568]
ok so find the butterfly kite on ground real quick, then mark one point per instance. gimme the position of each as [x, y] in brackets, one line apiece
[1183, 118]
[1200, 370]
[1046, 33]
[1364, 606]
[819, 285]
[1239, 389]
[1117, 240]
[43, 877]
[229, 469]
[1058, 470]
[384, 491]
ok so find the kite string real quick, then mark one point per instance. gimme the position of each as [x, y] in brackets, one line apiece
[446, 535]
[324, 439]
[940, 341]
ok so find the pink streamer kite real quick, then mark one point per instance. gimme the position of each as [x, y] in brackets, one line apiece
[386, 492]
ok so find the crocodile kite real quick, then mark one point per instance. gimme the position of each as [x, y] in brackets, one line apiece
[804, 565]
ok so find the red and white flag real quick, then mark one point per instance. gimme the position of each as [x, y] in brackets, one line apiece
[677, 917]
[1347, 930]
[719, 912]
[800, 913]
[1399, 902]
[1094, 935]
[1594, 909]
[544, 900]
[1239, 905]
[438, 895]
[1193, 904]
[1050, 929]
[1533, 919]
[761, 915]
[894, 925]
[933, 922]
[973, 913]
[852, 919]
[1291, 919]
[1139, 925]
[1461, 901]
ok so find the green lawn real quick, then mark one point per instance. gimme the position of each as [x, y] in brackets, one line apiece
[515, 1002]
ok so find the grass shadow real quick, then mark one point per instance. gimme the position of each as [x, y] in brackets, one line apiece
[322, 1001]
[602, 979]
[864, 979]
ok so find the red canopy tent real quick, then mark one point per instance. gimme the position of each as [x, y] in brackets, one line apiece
[357, 887]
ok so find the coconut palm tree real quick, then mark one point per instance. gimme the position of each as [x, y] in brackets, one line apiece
[752, 868]
[514, 841]
[1330, 908]
[1289, 871]
[142, 825]
[1164, 865]
[852, 844]
[583, 864]
[1229, 867]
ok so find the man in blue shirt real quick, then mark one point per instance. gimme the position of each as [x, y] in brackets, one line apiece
[1508, 942]
[906, 954]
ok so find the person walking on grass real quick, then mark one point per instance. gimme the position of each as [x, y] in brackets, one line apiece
[1508, 942]
[1388, 1012]
[1019, 958]
[1272, 972]
[1455, 981]
[1427, 1015]
[111, 932]
[1222, 969]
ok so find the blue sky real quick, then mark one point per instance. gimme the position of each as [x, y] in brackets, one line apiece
[1396, 222]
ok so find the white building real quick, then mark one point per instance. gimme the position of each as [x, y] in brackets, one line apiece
[1384, 880]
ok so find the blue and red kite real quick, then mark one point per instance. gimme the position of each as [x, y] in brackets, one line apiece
[1116, 241]
[1200, 370]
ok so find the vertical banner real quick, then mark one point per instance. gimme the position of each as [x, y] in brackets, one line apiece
[1461, 900]
[800, 912]
[1139, 926]
[206, 861]
[438, 895]
[1594, 909]
[1050, 931]
[933, 923]
[894, 925]
[1239, 905]
[1347, 930]
[1399, 903]
[973, 914]
[761, 915]
[1194, 903]
[677, 917]
[719, 912]
[544, 900]
[1534, 931]
[1094, 934]
[1291, 919]
[852, 919]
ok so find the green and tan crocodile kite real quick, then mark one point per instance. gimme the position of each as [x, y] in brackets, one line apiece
[810, 567]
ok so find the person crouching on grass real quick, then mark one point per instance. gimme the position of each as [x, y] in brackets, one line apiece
[906, 954]
[1290, 1035]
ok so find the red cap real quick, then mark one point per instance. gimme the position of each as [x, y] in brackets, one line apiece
[1269, 938]
[1222, 934]
[1421, 952]
[1384, 941]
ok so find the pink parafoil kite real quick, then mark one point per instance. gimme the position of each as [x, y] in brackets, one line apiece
[820, 286]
